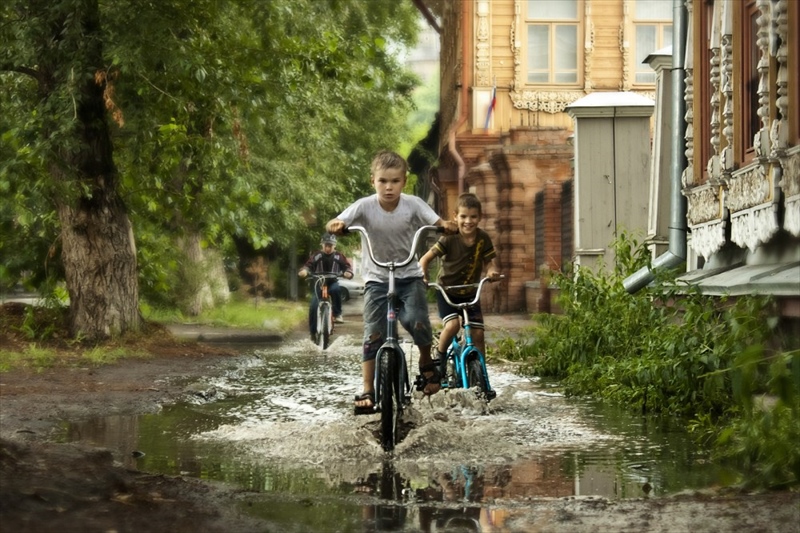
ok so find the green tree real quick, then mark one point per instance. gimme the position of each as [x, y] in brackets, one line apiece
[203, 120]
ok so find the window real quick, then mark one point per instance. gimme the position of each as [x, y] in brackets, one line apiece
[553, 37]
[652, 21]
[748, 122]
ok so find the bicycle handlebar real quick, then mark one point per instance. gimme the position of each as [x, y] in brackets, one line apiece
[480, 284]
[394, 264]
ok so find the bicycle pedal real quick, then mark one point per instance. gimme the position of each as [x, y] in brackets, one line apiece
[491, 395]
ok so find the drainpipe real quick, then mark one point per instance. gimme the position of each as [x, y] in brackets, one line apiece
[466, 68]
[676, 253]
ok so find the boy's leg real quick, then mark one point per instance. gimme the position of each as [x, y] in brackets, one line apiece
[416, 321]
[374, 333]
[368, 376]
[312, 315]
[336, 299]
[450, 321]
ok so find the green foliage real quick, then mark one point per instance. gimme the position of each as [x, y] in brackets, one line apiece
[234, 117]
[668, 349]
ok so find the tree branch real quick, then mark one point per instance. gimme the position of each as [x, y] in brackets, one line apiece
[9, 67]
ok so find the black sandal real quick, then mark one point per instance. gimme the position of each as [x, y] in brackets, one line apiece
[364, 409]
[423, 381]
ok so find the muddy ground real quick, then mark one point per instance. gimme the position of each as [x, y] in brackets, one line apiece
[47, 486]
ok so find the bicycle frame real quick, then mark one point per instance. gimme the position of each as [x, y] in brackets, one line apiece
[400, 389]
[460, 352]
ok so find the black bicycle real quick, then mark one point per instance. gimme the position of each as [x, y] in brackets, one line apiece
[392, 386]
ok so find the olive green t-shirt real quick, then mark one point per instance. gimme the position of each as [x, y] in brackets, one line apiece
[462, 264]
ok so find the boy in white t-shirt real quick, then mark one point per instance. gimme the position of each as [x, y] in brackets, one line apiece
[391, 218]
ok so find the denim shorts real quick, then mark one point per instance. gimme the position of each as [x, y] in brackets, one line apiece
[413, 313]
[447, 312]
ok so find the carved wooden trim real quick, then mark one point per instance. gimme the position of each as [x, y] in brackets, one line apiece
[704, 204]
[748, 187]
[708, 238]
[790, 184]
[754, 226]
[779, 130]
[751, 200]
[482, 45]
[687, 177]
[624, 46]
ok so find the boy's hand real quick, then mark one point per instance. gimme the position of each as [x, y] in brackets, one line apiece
[335, 226]
[450, 227]
[494, 275]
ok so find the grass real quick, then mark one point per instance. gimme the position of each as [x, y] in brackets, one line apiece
[280, 315]
[36, 338]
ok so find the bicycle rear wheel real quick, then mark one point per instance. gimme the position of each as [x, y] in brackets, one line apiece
[389, 404]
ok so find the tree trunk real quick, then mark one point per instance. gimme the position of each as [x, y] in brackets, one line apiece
[204, 276]
[99, 257]
[97, 241]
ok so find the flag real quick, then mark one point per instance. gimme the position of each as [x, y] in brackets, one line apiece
[492, 103]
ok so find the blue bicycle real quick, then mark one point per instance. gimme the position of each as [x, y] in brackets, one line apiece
[392, 386]
[465, 365]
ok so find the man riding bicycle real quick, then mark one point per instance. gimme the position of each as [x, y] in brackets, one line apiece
[326, 261]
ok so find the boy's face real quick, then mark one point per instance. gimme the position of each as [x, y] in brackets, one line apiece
[327, 247]
[389, 183]
[467, 219]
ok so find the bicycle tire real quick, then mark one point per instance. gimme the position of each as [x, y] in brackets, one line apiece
[476, 377]
[327, 327]
[390, 407]
[323, 325]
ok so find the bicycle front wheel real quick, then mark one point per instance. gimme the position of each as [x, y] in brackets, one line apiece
[389, 404]
[476, 376]
[324, 326]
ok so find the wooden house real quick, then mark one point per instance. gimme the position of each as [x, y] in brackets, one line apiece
[722, 193]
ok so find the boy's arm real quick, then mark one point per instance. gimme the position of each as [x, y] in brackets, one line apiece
[424, 261]
[306, 269]
[450, 227]
[348, 268]
[491, 269]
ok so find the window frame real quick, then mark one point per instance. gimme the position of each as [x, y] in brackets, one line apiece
[746, 77]
[635, 24]
[578, 23]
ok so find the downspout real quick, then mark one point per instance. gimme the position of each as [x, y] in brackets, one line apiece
[676, 252]
[462, 104]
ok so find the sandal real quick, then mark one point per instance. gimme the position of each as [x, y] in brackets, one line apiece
[365, 409]
[433, 377]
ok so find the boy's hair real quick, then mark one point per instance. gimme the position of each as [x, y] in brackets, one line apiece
[387, 159]
[468, 200]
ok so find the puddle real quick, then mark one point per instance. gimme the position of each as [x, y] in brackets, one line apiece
[280, 426]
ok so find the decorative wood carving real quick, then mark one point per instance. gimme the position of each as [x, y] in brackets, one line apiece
[705, 204]
[790, 184]
[482, 45]
[687, 177]
[780, 28]
[708, 238]
[624, 47]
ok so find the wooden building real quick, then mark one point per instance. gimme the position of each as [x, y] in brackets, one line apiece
[723, 178]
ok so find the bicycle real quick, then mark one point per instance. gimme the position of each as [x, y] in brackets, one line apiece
[392, 386]
[464, 365]
[325, 322]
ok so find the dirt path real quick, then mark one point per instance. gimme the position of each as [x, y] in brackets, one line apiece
[45, 486]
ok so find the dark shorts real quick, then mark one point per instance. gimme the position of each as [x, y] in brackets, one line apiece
[448, 312]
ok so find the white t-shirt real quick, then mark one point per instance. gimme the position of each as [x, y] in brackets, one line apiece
[391, 233]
